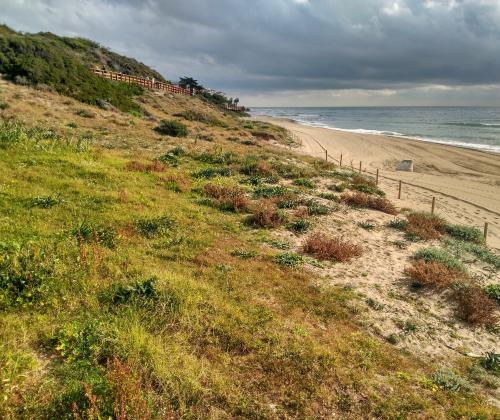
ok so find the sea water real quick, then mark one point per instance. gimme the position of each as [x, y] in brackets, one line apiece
[474, 127]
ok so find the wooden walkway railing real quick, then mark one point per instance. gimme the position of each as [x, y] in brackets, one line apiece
[147, 83]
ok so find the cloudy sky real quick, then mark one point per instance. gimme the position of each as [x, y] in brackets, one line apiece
[297, 52]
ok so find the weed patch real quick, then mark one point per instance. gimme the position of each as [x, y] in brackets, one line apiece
[465, 233]
[493, 292]
[328, 248]
[265, 214]
[289, 260]
[439, 255]
[363, 200]
[228, 198]
[433, 274]
[156, 226]
[102, 235]
[475, 306]
[172, 128]
[304, 182]
[209, 173]
[299, 226]
[154, 166]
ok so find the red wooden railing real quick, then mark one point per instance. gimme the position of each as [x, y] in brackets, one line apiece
[147, 83]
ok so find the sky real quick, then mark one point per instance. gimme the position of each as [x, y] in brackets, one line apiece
[296, 52]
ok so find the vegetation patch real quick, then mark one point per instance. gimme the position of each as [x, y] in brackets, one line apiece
[425, 225]
[172, 128]
[270, 192]
[475, 306]
[265, 214]
[139, 291]
[450, 381]
[202, 117]
[465, 233]
[304, 182]
[45, 202]
[493, 292]
[102, 235]
[289, 260]
[156, 226]
[468, 249]
[228, 198]
[337, 249]
[363, 200]
[434, 274]
[209, 173]
[299, 226]
[154, 166]
[441, 256]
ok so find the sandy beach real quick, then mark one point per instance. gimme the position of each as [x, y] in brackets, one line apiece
[465, 182]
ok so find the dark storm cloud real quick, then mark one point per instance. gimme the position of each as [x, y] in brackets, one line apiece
[287, 45]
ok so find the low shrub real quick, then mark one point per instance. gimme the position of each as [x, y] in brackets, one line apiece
[217, 157]
[304, 182]
[433, 274]
[172, 128]
[474, 305]
[176, 182]
[316, 209]
[480, 252]
[289, 201]
[140, 290]
[210, 173]
[337, 249]
[336, 187]
[154, 166]
[172, 156]
[329, 196]
[362, 180]
[299, 226]
[228, 198]
[368, 189]
[449, 380]
[491, 362]
[363, 200]
[156, 226]
[289, 260]
[265, 214]
[425, 225]
[399, 224]
[269, 192]
[25, 274]
[4, 105]
[439, 255]
[493, 292]
[255, 166]
[89, 233]
[465, 233]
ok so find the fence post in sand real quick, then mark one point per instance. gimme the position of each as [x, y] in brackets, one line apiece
[399, 191]
[376, 178]
[340, 160]
[360, 165]
[326, 155]
[485, 232]
[433, 205]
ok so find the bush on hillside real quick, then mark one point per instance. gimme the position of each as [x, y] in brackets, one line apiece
[337, 249]
[172, 128]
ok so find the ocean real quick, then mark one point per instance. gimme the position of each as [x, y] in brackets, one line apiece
[474, 127]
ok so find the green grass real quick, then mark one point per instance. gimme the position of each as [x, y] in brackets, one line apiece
[464, 249]
[465, 233]
[112, 300]
[439, 255]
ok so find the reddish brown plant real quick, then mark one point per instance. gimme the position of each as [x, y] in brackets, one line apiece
[331, 248]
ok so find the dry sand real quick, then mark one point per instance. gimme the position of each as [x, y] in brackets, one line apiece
[465, 182]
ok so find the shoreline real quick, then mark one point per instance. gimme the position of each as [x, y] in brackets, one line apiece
[382, 134]
[465, 181]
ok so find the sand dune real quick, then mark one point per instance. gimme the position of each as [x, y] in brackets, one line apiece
[465, 182]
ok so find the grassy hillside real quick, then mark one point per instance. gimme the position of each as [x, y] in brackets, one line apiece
[63, 63]
[150, 276]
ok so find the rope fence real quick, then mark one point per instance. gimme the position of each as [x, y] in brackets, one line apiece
[400, 183]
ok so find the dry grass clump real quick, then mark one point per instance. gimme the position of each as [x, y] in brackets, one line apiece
[361, 180]
[425, 225]
[228, 198]
[337, 249]
[154, 166]
[433, 273]
[176, 182]
[363, 200]
[266, 214]
[474, 305]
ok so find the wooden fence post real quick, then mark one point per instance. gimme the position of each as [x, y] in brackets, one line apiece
[376, 178]
[360, 164]
[433, 205]
[485, 232]
[340, 160]
[399, 192]
[326, 155]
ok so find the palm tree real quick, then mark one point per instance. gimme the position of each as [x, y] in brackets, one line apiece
[236, 101]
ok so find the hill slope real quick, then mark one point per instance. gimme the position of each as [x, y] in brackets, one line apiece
[149, 276]
[63, 64]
